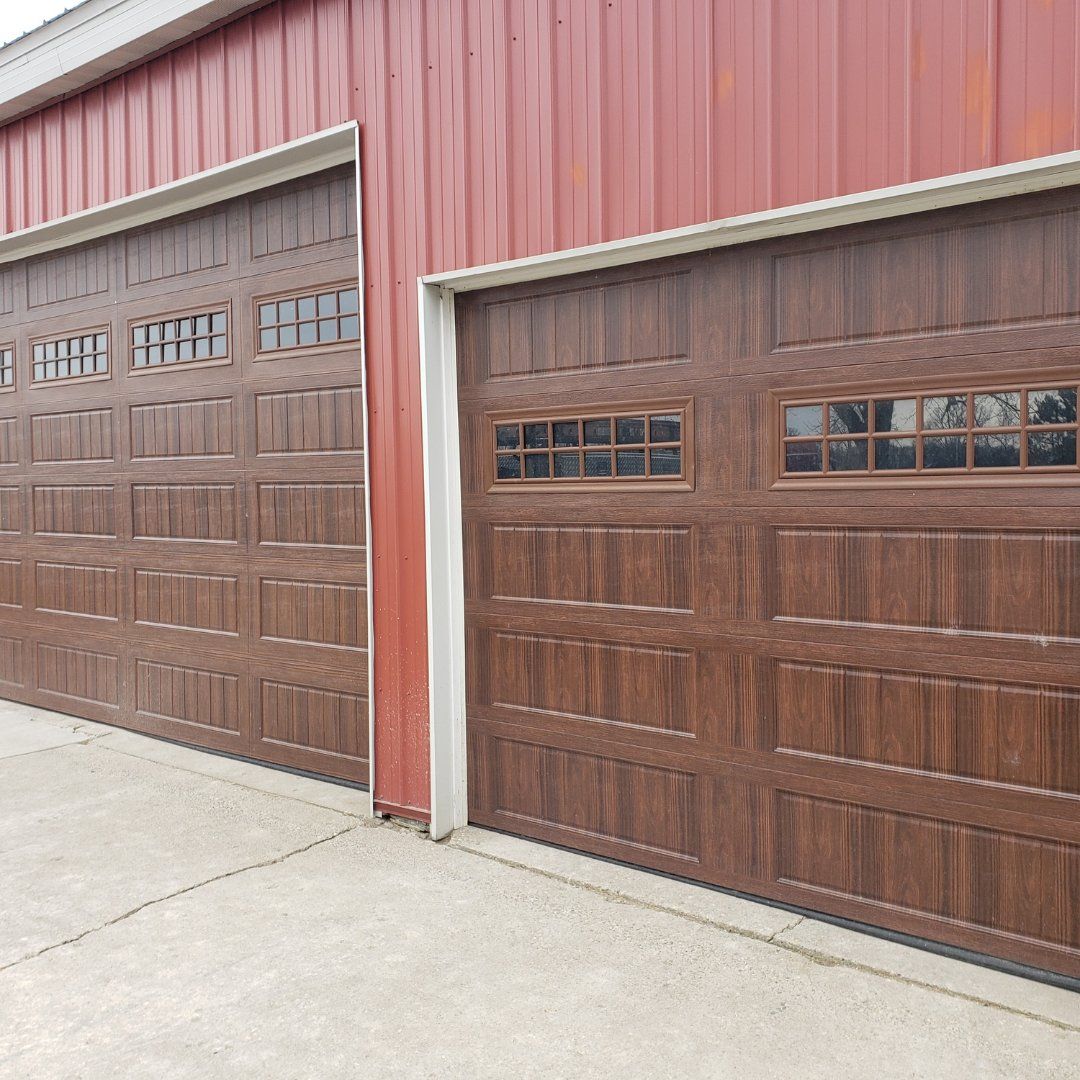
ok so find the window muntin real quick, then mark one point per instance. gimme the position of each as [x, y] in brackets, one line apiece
[71, 357]
[943, 432]
[181, 339]
[632, 446]
[306, 320]
[7, 367]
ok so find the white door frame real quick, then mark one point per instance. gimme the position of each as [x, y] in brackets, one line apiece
[313, 153]
[438, 380]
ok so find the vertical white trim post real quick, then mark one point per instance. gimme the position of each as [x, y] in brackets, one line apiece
[444, 556]
[369, 574]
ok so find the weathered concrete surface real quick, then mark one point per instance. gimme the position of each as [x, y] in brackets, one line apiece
[226, 931]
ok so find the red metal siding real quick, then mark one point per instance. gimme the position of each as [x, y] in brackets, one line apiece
[501, 128]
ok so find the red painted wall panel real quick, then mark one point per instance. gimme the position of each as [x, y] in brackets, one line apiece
[501, 128]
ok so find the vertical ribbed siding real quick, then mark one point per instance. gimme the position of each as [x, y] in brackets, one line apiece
[501, 128]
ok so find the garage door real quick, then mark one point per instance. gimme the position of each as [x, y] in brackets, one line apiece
[773, 570]
[181, 487]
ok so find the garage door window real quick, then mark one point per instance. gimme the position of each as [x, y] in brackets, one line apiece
[182, 339]
[643, 445]
[7, 367]
[1011, 430]
[78, 356]
[305, 320]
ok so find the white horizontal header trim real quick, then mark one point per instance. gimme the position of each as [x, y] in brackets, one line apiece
[312, 153]
[95, 39]
[1035, 174]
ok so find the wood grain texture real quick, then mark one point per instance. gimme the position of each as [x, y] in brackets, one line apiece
[199, 511]
[11, 587]
[177, 248]
[75, 509]
[328, 421]
[138, 582]
[7, 290]
[189, 695]
[635, 322]
[860, 698]
[71, 275]
[182, 429]
[78, 674]
[9, 440]
[72, 589]
[83, 435]
[303, 216]
[12, 674]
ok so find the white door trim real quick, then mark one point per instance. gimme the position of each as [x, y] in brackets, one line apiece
[322, 150]
[438, 379]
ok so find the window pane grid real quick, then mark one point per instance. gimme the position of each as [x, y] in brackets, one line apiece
[7, 365]
[180, 340]
[941, 432]
[71, 357]
[308, 319]
[598, 447]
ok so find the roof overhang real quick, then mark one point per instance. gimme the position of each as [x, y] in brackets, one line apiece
[96, 39]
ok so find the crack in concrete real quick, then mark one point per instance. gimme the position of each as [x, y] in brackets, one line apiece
[775, 939]
[784, 929]
[275, 861]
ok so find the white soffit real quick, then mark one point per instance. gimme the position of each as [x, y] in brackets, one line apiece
[312, 153]
[94, 40]
[980, 185]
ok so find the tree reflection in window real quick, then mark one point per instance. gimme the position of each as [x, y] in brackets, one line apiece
[1011, 429]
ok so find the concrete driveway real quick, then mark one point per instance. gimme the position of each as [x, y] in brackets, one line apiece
[166, 913]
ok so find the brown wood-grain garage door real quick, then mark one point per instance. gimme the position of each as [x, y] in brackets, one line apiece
[182, 526]
[773, 570]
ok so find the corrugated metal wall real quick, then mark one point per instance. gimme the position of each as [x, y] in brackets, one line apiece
[501, 128]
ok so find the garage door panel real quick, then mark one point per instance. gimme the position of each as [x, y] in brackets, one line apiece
[190, 603]
[314, 616]
[635, 319]
[11, 439]
[65, 589]
[13, 518]
[1014, 269]
[636, 810]
[626, 689]
[176, 689]
[200, 248]
[997, 732]
[300, 220]
[322, 714]
[186, 429]
[323, 519]
[149, 572]
[998, 582]
[15, 664]
[192, 512]
[63, 282]
[1012, 886]
[74, 511]
[74, 436]
[81, 675]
